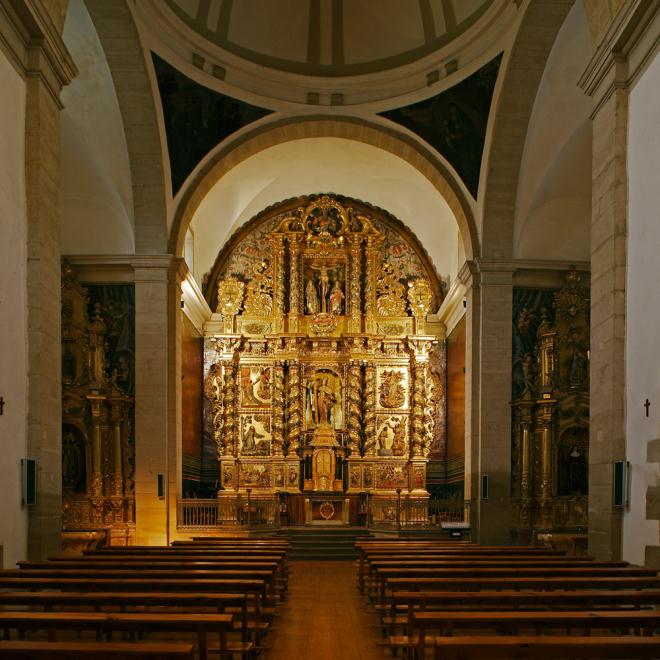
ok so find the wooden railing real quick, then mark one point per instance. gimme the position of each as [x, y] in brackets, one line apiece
[229, 511]
[416, 513]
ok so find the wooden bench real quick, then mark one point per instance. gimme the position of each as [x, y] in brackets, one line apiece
[49, 600]
[201, 624]
[373, 565]
[541, 647]
[446, 623]
[191, 576]
[404, 603]
[29, 650]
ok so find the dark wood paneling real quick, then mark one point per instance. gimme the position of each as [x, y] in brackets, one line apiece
[456, 391]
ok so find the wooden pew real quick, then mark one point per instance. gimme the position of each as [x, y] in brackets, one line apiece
[201, 624]
[190, 575]
[100, 601]
[372, 566]
[29, 650]
[422, 578]
[404, 603]
[542, 647]
[446, 623]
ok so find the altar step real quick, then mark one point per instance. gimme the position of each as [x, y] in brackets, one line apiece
[323, 543]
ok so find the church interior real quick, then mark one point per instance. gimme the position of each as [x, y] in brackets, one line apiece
[311, 302]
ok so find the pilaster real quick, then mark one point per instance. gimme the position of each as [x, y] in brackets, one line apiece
[35, 48]
[618, 60]
[153, 324]
[489, 300]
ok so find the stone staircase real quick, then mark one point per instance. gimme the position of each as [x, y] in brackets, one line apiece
[323, 542]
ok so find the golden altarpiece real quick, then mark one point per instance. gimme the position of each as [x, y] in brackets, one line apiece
[550, 450]
[97, 451]
[317, 360]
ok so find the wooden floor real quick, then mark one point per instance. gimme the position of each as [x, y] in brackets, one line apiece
[324, 617]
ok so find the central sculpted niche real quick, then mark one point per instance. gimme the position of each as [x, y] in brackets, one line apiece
[320, 371]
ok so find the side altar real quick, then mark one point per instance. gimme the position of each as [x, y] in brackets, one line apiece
[319, 370]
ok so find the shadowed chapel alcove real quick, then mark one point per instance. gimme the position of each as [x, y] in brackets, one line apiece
[324, 376]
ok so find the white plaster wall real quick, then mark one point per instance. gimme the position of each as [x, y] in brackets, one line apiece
[553, 205]
[336, 165]
[642, 306]
[97, 201]
[13, 312]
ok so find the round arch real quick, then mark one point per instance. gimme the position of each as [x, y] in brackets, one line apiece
[230, 155]
[515, 102]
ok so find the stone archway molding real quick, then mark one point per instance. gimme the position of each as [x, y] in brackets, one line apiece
[228, 156]
[522, 75]
[119, 37]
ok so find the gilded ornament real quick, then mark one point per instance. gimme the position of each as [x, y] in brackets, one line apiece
[391, 390]
[230, 297]
[390, 293]
[420, 297]
[259, 291]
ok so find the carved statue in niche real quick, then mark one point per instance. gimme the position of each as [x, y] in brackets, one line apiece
[390, 293]
[392, 393]
[325, 288]
[324, 400]
[259, 291]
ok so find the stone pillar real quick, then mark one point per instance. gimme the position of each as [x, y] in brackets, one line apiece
[606, 80]
[489, 302]
[33, 44]
[152, 397]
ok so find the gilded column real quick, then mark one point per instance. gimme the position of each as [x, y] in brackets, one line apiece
[525, 422]
[546, 463]
[356, 274]
[277, 242]
[294, 407]
[370, 284]
[370, 410]
[230, 419]
[294, 285]
[354, 412]
[118, 481]
[277, 423]
[418, 404]
[97, 464]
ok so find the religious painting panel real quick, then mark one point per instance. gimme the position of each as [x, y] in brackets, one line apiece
[278, 476]
[293, 475]
[324, 398]
[255, 475]
[391, 475]
[392, 385]
[355, 477]
[324, 286]
[255, 434]
[392, 435]
[255, 386]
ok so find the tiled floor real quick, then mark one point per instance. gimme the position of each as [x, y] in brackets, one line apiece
[324, 617]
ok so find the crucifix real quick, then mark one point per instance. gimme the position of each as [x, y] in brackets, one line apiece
[2, 406]
[647, 405]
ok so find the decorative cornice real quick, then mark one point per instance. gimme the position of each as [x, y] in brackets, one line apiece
[34, 46]
[624, 51]
[195, 306]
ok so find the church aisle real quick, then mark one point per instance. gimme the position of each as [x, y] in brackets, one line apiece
[324, 616]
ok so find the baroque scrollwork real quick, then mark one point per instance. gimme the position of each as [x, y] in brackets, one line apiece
[390, 293]
[259, 291]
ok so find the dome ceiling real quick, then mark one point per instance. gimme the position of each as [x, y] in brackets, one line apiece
[329, 37]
